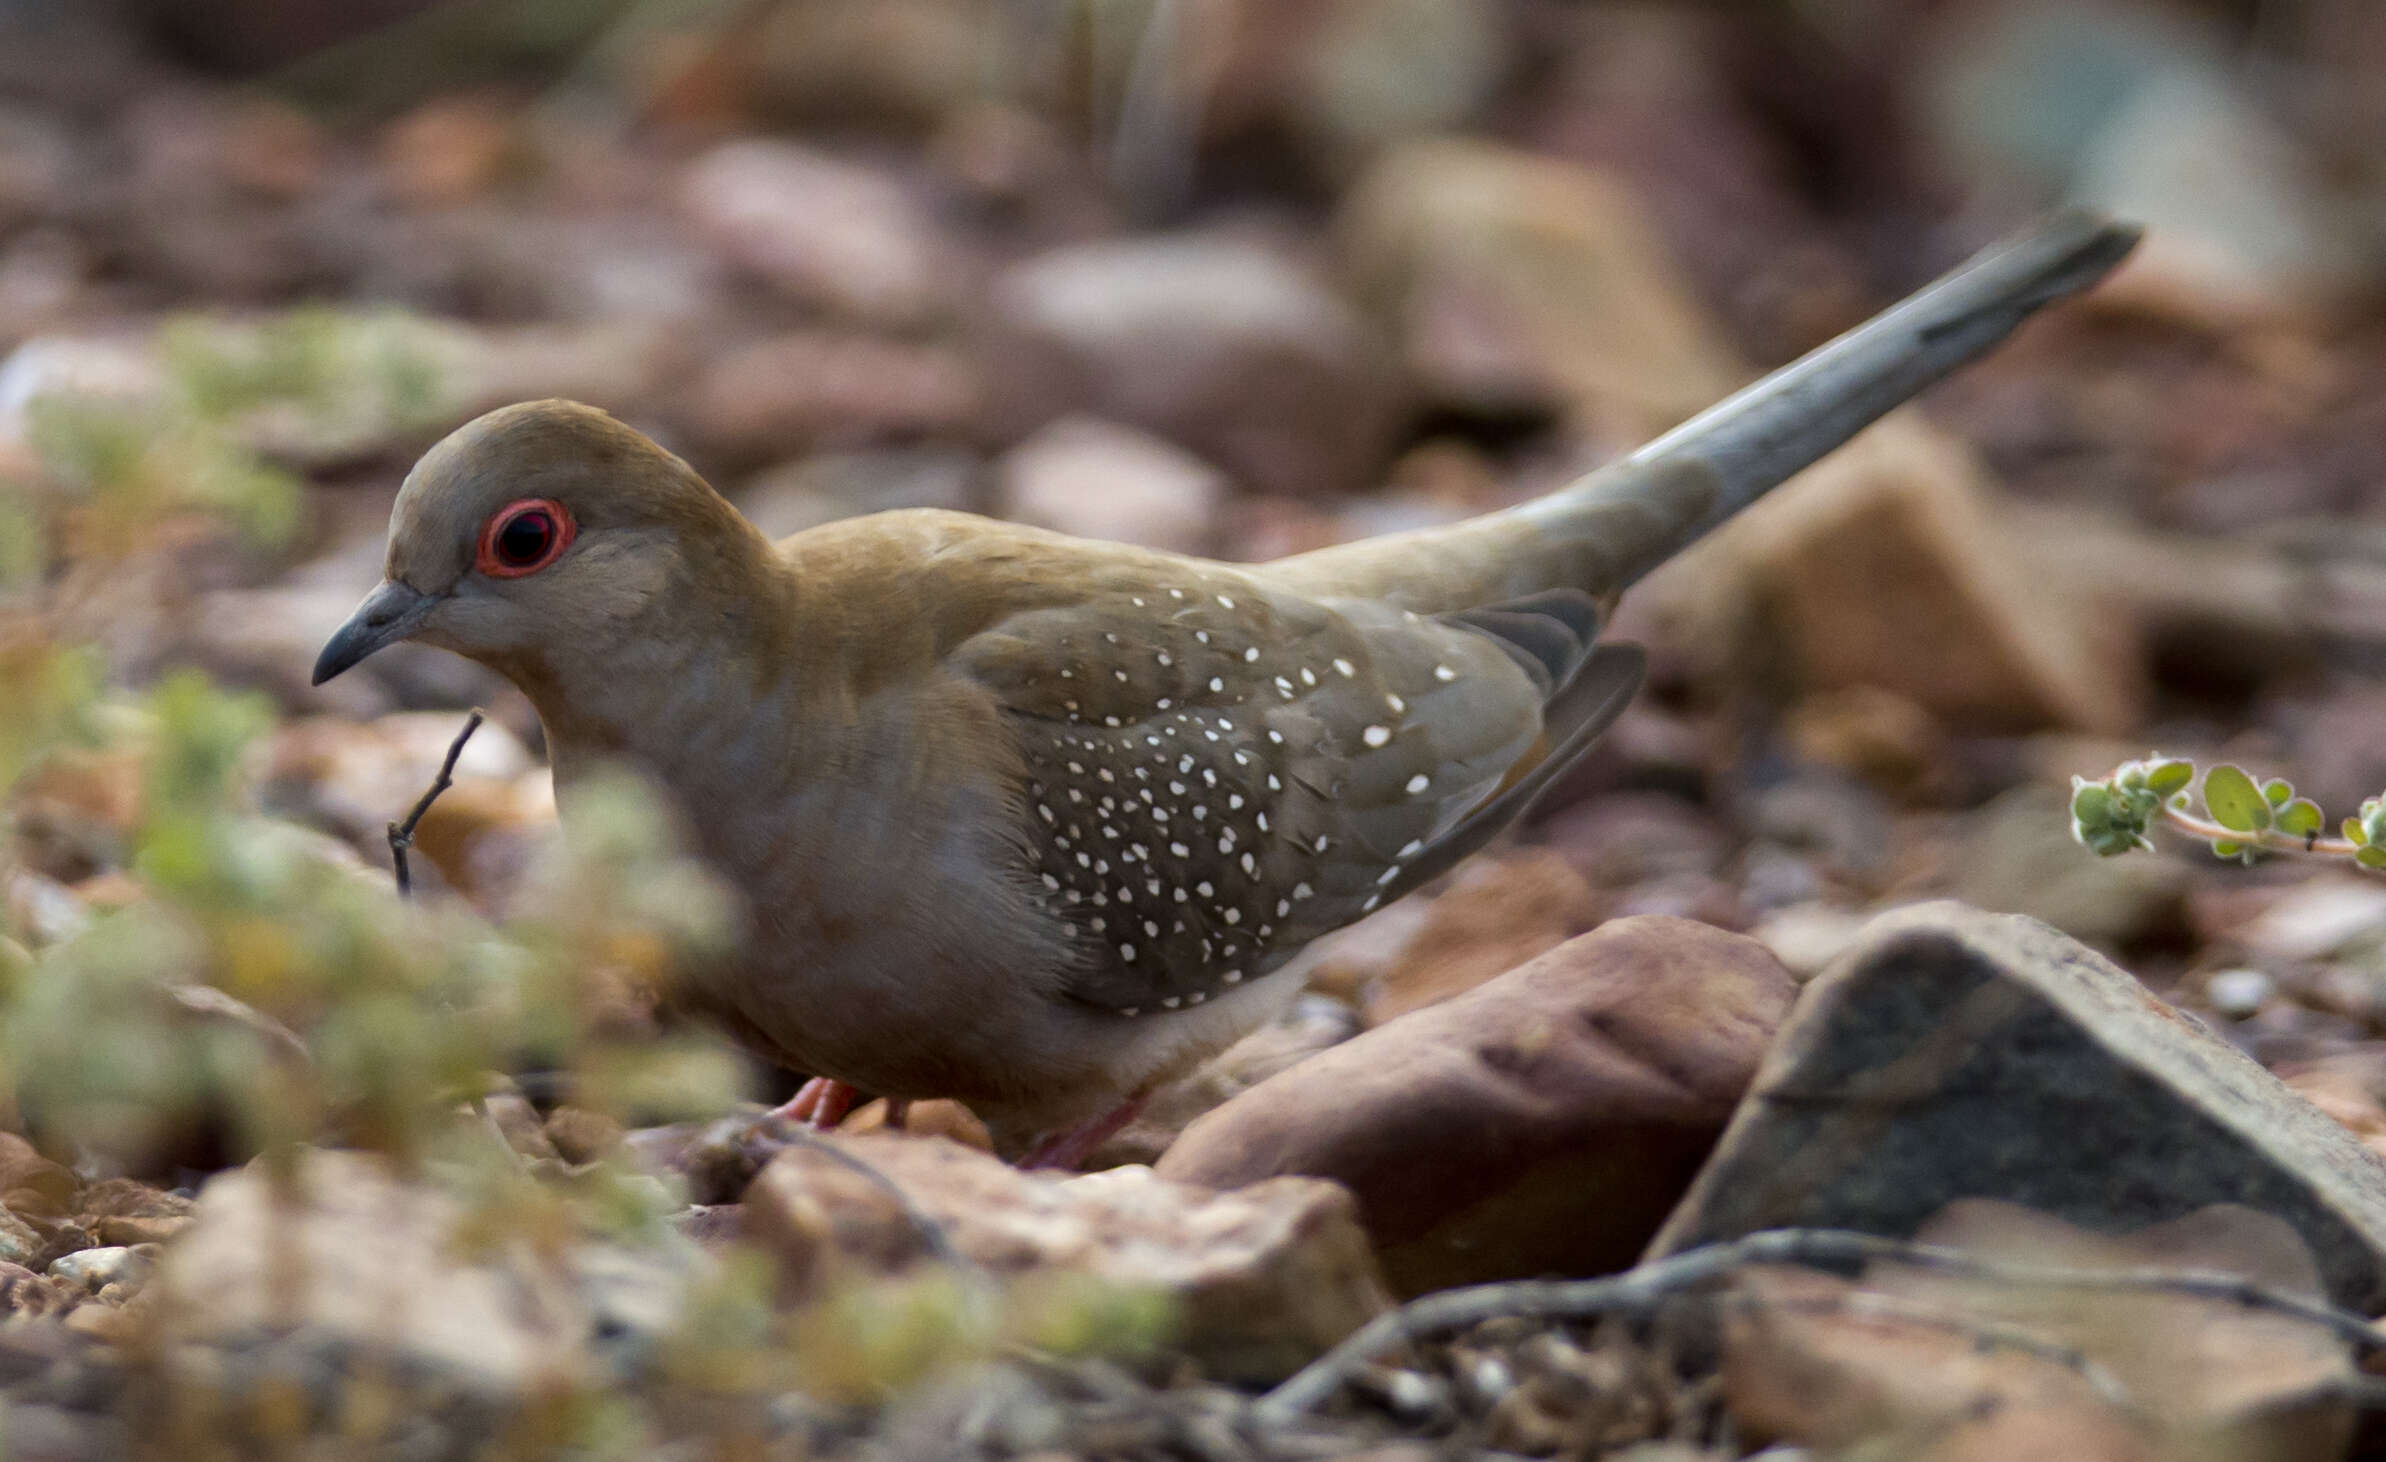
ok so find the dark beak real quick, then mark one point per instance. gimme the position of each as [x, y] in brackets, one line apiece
[389, 614]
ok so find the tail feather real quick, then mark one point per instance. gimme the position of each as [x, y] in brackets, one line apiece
[1764, 435]
[1607, 530]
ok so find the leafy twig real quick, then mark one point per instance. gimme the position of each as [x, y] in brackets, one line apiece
[1638, 1291]
[2241, 819]
[401, 834]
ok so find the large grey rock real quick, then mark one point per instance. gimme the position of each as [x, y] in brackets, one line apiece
[1956, 1054]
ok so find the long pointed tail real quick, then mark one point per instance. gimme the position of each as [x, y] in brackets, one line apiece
[1762, 436]
[1610, 528]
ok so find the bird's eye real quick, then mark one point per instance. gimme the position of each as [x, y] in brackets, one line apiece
[524, 537]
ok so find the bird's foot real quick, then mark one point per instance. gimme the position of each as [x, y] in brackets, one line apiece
[819, 1103]
[1069, 1148]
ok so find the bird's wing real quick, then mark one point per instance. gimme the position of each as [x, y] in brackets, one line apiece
[1217, 770]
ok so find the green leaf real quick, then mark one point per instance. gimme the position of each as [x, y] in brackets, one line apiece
[2166, 777]
[2277, 791]
[2355, 833]
[2234, 801]
[2301, 818]
[2371, 856]
[2228, 850]
[2100, 819]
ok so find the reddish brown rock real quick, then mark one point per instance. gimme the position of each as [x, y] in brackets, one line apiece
[1226, 347]
[1496, 914]
[1260, 1281]
[810, 388]
[830, 232]
[121, 1212]
[33, 1184]
[1523, 283]
[1987, 632]
[1542, 1123]
[1096, 479]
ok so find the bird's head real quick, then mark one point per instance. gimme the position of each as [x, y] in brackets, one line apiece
[536, 531]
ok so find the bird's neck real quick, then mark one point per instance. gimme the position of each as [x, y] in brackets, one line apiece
[707, 672]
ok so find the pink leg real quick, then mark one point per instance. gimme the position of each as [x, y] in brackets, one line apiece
[821, 1102]
[1068, 1149]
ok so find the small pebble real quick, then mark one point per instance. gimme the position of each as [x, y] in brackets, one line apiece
[92, 1270]
[2239, 994]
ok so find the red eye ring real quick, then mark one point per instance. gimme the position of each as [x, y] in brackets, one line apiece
[515, 543]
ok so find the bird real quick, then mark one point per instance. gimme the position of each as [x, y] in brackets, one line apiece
[1038, 822]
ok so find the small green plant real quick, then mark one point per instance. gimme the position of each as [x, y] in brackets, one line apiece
[2241, 818]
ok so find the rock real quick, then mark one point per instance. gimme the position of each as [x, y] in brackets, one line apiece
[904, 63]
[2239, 994]
[20, 1242]
[1542, 1123]
[2017, 856]
[138, 1230]
[1631, 837]
[356, 1260]
[826, 486]
[1809, 938]
[811, 388]
[580, 1135]
[714, 1161]
[2138, 111]
[1219, 344]
[1898, 1364]
[32, 1183]
[935, 1117]
[1520, 284]
[450, 150]
[1096, 479]
[2346, 1089]
[1497, 913]
[25, 1295]
[1983, 634]
[95, 1270]
[2022, 1066]
[830, 233]
[1263, 1280]
[1878, 735]
[116, 1199]
[1348, 77]
[2316, 918]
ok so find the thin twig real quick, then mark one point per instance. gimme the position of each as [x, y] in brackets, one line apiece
[401, 834]
[1643, 1289]
[2268, 839]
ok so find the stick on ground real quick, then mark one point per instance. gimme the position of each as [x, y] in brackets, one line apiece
[1637, 1291]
